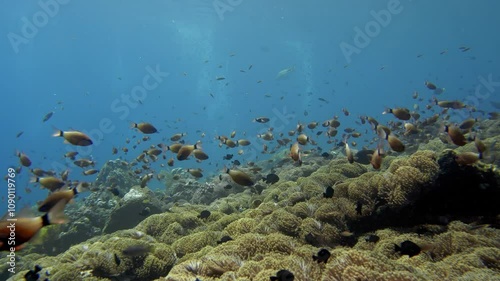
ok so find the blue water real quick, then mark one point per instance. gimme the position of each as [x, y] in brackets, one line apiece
[88, 54]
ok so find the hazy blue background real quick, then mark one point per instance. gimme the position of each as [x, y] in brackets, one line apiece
[79, 57]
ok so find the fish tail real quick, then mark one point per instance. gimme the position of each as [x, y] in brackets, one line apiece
[56, 214]
[34, 179]
[397, 248]
[315, 258]
[79, 189]
[133, 125]
[58, 133]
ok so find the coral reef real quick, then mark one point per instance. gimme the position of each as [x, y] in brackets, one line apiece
[251, 233]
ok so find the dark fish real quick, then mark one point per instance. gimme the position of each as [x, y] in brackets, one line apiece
[115, 191]
[117, 260]
[236, 163]
[283, 275]
[407, 248]
[228, 186]
[227, 157]
[326, 155]
[323, 256]
[261, 119]
[323, 100]
[328, 192]
[224, 239]
[359, 207]
[19, 134]
[136, 250]
[372, 238]
[33, 275]
[204, 214]
[272, 178]
[47, 116]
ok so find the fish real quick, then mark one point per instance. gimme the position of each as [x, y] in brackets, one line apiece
[117, 259]
[268, 136]
[261, 120]
[136, 250]
[348, 152]
[400, 113]
[295, 153]
[468, 158]
[177, 137]
[19, 134]
[51, 183]
[55, 197]
[47, 116]
[26, 228]
[225, 239]
[407, 248]
[220, 78]
[303, 139]
[145, 179]
[243, 142]
[82, 163]
[455, 135]
[74, 137]
[23, 159]
[480, 146]
[204, 214]
[323, 100]
[430, 85]
[312, 125]
[328, 192]
[283, 275]
[468, 124]
[239, 177]
[285, 72]
[450, 104]
[233, 134]
[115, 191]
[90, 172]
[372, 238]
[185, 151]
[394, 142]
[271, 178]
[359, 208]
[174, 148]
[32, 275]
[323, 256]
[376, 159]
[200, 154]
[197, 173]
[145, 128]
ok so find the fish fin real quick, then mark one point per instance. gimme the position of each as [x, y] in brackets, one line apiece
[133, 125]
[314, 258]
[57, 132]
[66, 142]
[56, 214]
[34, 179]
